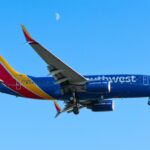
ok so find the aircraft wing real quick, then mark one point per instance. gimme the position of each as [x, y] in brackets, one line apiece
[62, 73]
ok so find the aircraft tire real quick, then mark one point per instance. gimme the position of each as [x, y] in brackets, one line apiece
[76, 110]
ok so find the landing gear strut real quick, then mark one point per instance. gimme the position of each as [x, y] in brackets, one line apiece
[76, 109]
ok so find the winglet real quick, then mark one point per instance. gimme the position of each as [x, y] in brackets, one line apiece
[27, 35]
[57, 108]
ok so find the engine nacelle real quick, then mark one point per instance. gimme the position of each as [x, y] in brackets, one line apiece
[106, 105]
[98, 87]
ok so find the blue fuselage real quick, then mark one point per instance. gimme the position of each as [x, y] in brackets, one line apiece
[122, 86]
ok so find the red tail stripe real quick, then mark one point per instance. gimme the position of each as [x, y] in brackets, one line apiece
[11, 83]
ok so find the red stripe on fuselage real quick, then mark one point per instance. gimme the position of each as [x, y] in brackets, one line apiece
[10, 82]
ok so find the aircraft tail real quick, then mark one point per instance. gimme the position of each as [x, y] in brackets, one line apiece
[5, 67]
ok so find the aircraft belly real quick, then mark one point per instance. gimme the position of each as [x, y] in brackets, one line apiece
[127, 91]
[120, 91]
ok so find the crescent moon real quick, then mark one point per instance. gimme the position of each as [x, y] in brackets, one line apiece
[57, 16]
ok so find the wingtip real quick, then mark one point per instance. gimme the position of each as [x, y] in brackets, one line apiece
[27, 35]
[57, 107]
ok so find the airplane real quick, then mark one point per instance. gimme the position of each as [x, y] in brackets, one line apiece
[94, 92]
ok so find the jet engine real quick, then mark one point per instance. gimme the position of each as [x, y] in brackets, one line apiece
[105, 105]
[98, 87]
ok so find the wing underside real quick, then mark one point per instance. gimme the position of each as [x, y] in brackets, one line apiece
[61, 72]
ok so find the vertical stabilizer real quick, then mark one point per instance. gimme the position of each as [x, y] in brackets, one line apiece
[5, 64]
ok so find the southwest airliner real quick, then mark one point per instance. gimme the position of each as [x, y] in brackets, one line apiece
[94, 92]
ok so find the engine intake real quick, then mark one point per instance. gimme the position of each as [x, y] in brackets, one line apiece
[106, 105]
[99, 87]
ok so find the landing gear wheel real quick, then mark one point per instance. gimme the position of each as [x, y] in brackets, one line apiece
[76, 110]
[148, 103]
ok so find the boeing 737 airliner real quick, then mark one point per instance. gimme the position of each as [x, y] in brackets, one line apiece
[90, 91]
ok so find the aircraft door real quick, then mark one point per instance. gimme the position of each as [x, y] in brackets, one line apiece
[145, 80]
[18, 86]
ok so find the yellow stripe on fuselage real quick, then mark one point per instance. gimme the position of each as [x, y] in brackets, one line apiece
[7, 66]
[30, 85]
[25, 81]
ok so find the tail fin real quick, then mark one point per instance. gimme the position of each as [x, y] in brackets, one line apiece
[7, 67]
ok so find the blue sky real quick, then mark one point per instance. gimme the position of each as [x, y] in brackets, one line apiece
[93, 37]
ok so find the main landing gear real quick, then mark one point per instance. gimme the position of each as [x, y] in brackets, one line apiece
[76, 109]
